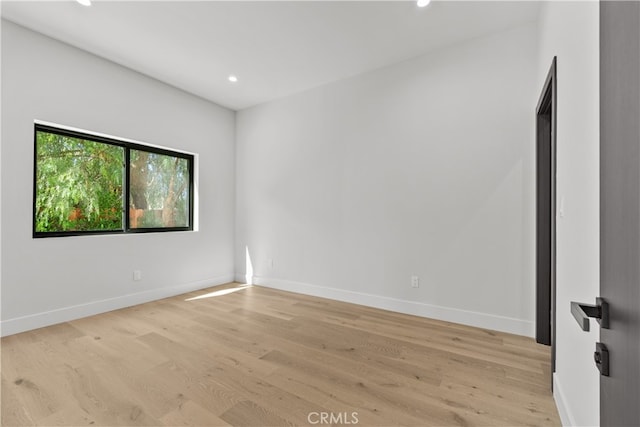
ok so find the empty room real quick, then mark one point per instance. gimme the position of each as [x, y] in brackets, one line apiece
[270, 213]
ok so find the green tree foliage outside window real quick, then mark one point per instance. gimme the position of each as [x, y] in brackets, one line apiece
[159, 190]
[80, 185]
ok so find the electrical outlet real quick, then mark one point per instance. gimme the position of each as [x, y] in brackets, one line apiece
[137, 275]
[415, 282]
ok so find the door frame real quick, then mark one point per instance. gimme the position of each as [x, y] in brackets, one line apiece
[546, 212]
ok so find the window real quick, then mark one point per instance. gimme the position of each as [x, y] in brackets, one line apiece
[158, 189]
[82, 182]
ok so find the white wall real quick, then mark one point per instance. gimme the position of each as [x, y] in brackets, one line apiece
[49, 280]
[570, 30]
[424, 167]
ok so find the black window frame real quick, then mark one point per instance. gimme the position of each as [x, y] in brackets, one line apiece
[127, 146]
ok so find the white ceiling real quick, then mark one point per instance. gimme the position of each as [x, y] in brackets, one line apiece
[276, 48]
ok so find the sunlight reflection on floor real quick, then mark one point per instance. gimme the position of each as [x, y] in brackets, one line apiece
[220, 292]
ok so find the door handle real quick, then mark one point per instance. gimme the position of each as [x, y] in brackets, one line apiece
[582, 312]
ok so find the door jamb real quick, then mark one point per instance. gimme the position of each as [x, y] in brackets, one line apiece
[546, 298]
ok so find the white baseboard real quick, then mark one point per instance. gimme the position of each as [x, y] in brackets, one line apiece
[48, 318]
[471, 318]
[566, 418]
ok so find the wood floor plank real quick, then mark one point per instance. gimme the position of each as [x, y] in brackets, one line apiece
[248, 413]
[247, 355]
[13, 412]
[184, 383]
[191, 414]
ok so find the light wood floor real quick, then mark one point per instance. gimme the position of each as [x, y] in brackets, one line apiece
[263, 357]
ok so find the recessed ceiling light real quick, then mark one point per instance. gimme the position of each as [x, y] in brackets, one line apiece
[84, 2]
[233, 79]
[423, 3]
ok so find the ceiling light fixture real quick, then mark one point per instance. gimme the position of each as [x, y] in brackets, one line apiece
[233, 79]
[84, 2]
[423, 3]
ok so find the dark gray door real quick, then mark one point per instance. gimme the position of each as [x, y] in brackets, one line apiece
[620, 209]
